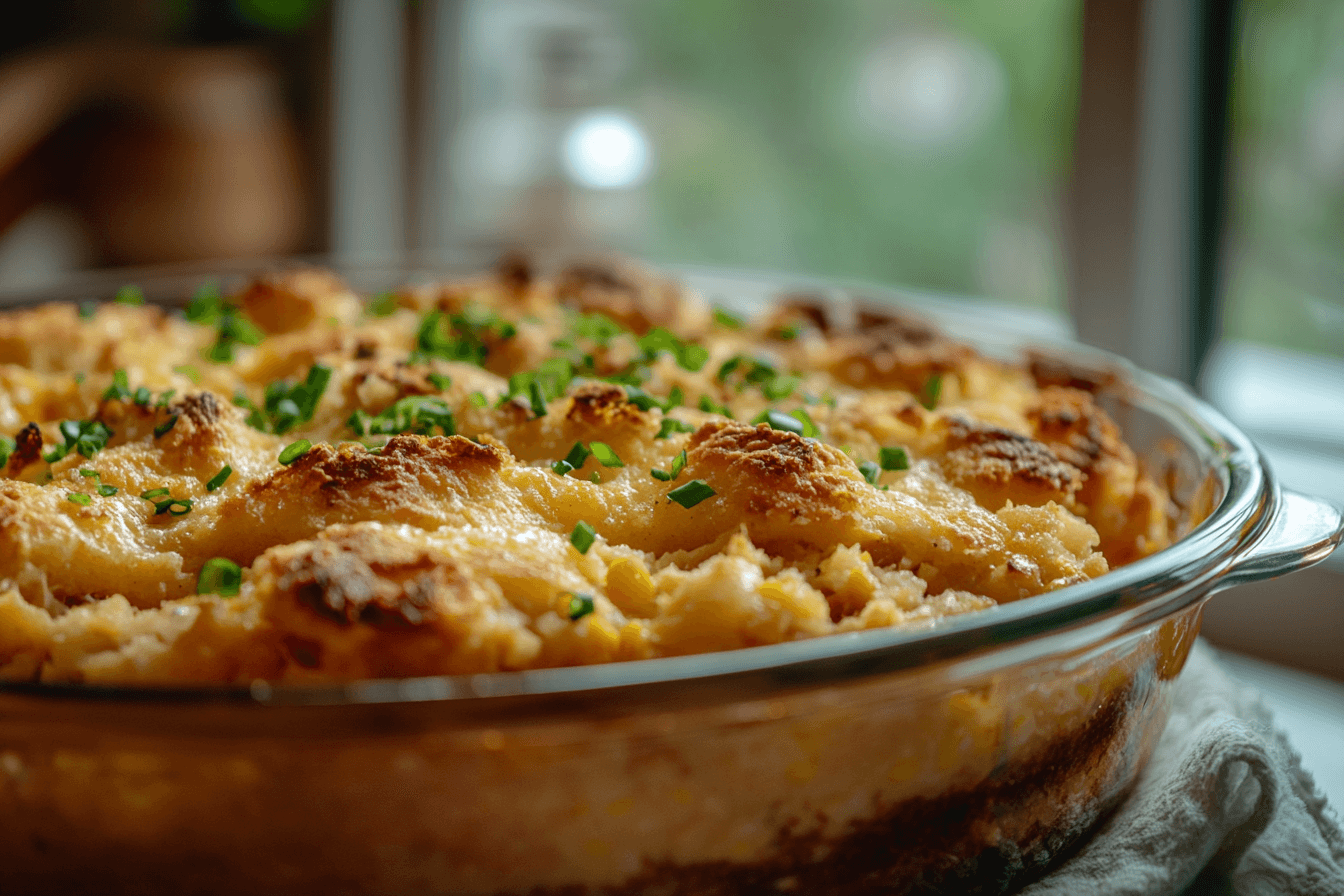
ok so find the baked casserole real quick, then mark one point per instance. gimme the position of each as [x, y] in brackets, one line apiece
[296, 483]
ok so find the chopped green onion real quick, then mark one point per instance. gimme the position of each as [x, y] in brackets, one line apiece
[561, 467]
[641, 399]
[537, 401]
[382, 305]
[219, 478]
[129, 295]
[710, 406]
[163, 428]
[190, 372]
[870, 471]
[692, 493]
[79, 498]
[893, 459]
[440, 381]
[781, 420]
[671, 425]
[154, 493]
[106, 491]
[578, 455]
[933, 389]
[605, 455]
[6, 449]
[788, 333]
[582, 537]
[89, 474]
[295, 450]
[724, 319]
[580, 605]
[678, 464]
[88, 437]
[219, 576]
[207, 305]
[120, 389]
[478, 399]
[175, 506]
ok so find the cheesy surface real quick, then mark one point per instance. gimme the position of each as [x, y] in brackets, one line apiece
[296, 483]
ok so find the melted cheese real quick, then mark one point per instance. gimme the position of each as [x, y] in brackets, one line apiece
[450, 553]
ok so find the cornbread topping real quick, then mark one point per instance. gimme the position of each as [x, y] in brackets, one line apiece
[296, 483]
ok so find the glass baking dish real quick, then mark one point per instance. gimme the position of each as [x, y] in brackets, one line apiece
[965, 756]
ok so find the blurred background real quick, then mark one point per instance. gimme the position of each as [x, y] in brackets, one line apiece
[1162, 178]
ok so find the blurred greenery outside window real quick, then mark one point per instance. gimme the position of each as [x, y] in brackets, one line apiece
[1285, 283]
[917, 143]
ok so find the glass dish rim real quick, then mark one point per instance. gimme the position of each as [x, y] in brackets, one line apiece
[1132, 596]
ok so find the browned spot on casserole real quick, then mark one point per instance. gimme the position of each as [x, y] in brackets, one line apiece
[998, 466]
[602, 405]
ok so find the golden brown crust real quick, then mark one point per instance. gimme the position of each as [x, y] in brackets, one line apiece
[729, 475]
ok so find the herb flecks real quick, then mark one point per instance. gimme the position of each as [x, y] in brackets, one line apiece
[466, 337]
[692, 493]
[219, 478]
[87, 437]
[219, 576]
[579, 606]
[294, 450]
[582, 537]
[414, 414]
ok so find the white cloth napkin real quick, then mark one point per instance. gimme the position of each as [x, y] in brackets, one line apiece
[1223, 806]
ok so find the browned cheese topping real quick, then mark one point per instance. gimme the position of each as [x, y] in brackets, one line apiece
[300, 484]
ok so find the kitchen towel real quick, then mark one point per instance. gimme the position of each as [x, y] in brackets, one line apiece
[1223, 807]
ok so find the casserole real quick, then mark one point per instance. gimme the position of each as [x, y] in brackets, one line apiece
[963, 756]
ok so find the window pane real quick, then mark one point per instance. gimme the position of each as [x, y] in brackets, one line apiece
[1286, 275]
[923, 143]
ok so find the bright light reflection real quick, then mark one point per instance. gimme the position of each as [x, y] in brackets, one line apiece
[606, 150]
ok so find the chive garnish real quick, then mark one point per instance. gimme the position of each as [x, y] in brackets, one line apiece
[175, 506]
[219, 576]
[561, 467]
[582, 537]
[440, 381]
[605, 455]
[729, 321]
[933, 389]
[87, 437]
[154, 493]
[870, 471]
[692, 493]
[163, 428]
[671, 425]
[478, 399]
[106, 491]
[129, 295]
[536, 400]
[580, 605]
[79, 498]
[893, 459]
[678, 464]
[382, 305]
[294, 450]
[219, 478]
[781, 420]
[577, 456]
[89, 474]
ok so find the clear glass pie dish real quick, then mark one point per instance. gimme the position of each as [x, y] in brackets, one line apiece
[964, 756]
